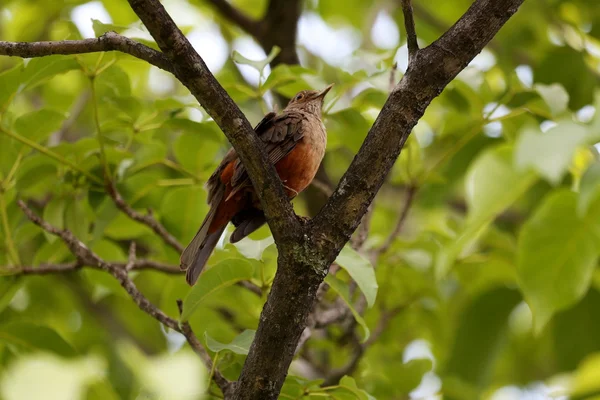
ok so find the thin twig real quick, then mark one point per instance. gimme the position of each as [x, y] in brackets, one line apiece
[392, 83]
[410, 195]
[110, 41]
[236, 16]
[223, 383]
[147, 220]
[46, 269]
[85, 256]
[131, 258]
[360, 348]
[411, 34]
[322, 186]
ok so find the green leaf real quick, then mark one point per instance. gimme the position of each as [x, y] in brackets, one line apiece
[558, 251]
[341, 288]
[40, 69]
[76, 218]
[587, 378]
[239, 345]
[9, 82]
[575, 332]
[361, 271]
[54, 214]
[9, 285]
[149, 154]
[492, 185]
[555, 96]
[101, 28]
[254, 249]
[480, 330]
[411, 373]
[348, 384]
[589, 189]
[183, 210]
[195, 136]
[258, 65]
[224, 274]
[550, 153]
[38, 125]
[31, 337]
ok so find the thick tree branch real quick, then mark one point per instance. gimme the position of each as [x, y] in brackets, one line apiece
[284, 317]
[279, 28]
[87, 257]
[236, 16]
[110, 41]
[191, 70]
[432, 69]
[409, 26]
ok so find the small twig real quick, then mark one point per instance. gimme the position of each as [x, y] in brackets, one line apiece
[392, 83]
[360, 348]
[411, 34]
[131, 260]
[236, 16]
[410, 195]
[85, 256]
[45, 269]
[110, 41]
[147, 220]
[224, 384]
[322, 186]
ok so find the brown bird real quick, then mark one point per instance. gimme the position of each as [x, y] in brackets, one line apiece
[295, 143]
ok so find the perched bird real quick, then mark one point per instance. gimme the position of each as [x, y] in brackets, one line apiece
[295, 143]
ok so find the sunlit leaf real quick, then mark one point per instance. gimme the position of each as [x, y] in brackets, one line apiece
[492, 184]
[555, 96]
[551, 152]
[239, 345]
[361, 271]
[225, 273]
[558, 251]
[589, 189]
[258, 65]
[31, 337]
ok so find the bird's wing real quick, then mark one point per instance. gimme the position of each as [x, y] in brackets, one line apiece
[280, 134]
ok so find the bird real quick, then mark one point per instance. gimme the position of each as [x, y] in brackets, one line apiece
[295, 142]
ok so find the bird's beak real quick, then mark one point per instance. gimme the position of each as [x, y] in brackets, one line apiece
[323, 92]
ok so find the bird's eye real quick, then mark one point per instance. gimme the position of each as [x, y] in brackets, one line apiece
[300, 96]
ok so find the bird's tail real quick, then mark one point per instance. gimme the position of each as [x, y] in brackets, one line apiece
[194, 257]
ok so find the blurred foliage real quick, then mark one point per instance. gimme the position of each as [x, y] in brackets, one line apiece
[494, 275]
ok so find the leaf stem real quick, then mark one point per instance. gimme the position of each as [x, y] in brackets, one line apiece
[10, 244]
[50, 154]
[107, 176]
[213, 367]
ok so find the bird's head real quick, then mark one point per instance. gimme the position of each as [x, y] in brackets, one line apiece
[311, 100]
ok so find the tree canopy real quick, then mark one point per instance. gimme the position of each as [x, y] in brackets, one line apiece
[472, 274]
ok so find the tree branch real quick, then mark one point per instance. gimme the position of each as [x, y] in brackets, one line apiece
[433, 68]
[110, 41]
[87, 257]
[301, 271]
[411, 34]
[147, 220]
[191, 71]
[236, 16]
